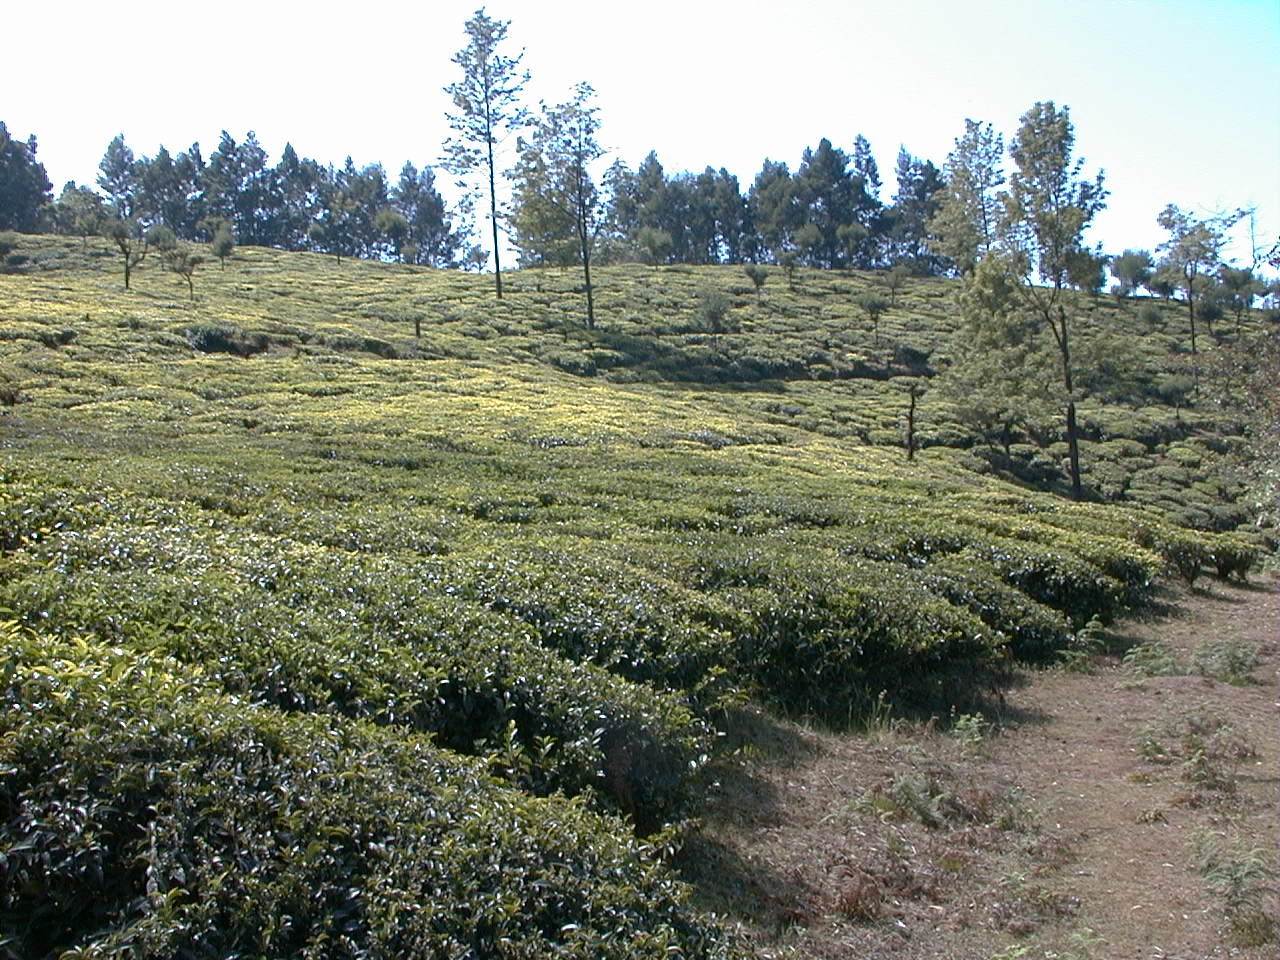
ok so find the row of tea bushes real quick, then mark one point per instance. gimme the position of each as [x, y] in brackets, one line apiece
[309, 629]
[149, 815]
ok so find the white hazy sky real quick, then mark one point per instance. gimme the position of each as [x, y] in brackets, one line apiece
[1177, 100]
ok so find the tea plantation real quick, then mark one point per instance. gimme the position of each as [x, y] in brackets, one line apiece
[350, 612]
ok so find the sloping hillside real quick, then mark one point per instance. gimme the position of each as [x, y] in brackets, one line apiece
[330, 523]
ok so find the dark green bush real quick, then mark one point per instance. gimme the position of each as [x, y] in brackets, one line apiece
[148, 816]
[1035, 631]
[221, 338]
[312, 630]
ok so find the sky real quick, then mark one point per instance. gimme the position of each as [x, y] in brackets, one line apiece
[1177, 101]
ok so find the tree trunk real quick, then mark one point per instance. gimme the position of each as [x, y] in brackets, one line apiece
[493, 218]
[1073, 444]
[911, 425]
[584, 247]
[1073, 451]
[1195, 355]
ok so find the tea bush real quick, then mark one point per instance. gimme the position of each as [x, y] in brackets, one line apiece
[148, 815]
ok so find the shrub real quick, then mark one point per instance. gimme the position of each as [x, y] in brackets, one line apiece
[311, 630]
[713, 309]
[214, 338]
[151, 816]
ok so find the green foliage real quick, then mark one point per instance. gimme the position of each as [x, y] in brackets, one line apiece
[155, 815]
[1243, 879]
[1153, 659]
[1227, 660]
[128, 239]
[24, 185]
[1133, 269]
[344, 530]
[873, 307]
[966, 224]
[713, 310]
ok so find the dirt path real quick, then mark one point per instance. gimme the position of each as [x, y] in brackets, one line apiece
[1067, 825]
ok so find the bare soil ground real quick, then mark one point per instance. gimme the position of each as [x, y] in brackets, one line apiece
[1124, 808]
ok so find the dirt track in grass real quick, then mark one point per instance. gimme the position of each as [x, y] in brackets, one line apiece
[1065, 823]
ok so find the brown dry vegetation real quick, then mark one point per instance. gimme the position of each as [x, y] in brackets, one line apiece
[1067, 822]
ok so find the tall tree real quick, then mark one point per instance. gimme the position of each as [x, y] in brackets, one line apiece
[300, 182]
[866, 249]
[914, 205]
[733, 219]
[827, 194]
[556, 196]
[169, 191]
[245, 190]
[431, 239]
[774, 210]
[1024, 283]
[24, 185]
[487, 101]
[964, 228]
[117, 177]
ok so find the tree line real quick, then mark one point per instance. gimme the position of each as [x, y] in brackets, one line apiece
[564, 210]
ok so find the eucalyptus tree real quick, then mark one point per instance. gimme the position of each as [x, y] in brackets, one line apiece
[915, 204]
[487, 109]
[431, 239]
[558, 208]
[966, 223]
[1192, 253]
[1022, 287]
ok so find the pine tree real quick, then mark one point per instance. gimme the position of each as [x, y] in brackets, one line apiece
[24, 185]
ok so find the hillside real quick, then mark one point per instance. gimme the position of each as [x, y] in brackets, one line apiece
[329, 524]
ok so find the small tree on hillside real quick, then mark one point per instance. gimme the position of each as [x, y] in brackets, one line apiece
[222, 241]
[1239, 287]
[895, 280]
[873, 306]
[713, 309]
[128, 238]
[183, 261]
[788, 260]
[1191, 254]
[757, 274]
